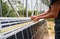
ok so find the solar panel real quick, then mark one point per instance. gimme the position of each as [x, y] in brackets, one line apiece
[29, 32]
[32, 30]
[11, 37]
[19, 35]
[25, 34]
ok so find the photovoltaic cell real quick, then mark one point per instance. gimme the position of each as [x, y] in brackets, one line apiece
[25, 34]
[19, 35]
[11, 37]
[29, 33]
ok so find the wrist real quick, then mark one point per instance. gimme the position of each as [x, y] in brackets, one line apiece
[38, 16]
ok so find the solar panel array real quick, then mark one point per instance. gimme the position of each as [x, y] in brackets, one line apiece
[25, 32]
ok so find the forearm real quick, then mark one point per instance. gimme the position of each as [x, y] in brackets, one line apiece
[47, 16]
[44, 13]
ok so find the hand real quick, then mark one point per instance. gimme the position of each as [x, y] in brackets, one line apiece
[34, 18]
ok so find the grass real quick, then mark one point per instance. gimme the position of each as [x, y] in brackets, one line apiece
[50, 19]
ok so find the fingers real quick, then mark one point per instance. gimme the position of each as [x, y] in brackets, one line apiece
[36, 19]
[33, 17]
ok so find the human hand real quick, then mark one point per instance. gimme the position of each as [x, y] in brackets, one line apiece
[34, 18]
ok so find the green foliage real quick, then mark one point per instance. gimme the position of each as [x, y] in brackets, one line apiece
[46, 2]
[41, 12]
[35, 12]
[4, 9]
[29, 12]
[12, 13]
[22, 11]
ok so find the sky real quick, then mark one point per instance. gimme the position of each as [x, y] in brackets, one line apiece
[40, 6]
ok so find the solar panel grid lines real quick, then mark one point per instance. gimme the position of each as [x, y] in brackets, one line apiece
[15, 36]
[23, 31]
[29, 32]
[10, 21]
[14, 27]
[20, 35]
[11, 24]
[11, 37]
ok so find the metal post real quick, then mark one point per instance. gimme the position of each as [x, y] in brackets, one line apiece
[27, 33]
[23, 7]
[0, 16]
[34, 8]
[31, 4]
[37, 8]
[15, 36]
[10, 2]
[22, 35]
[40, 6]
[26, 8]
[8, 12]
[0, 8]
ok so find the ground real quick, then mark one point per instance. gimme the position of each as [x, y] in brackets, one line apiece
[50, 25]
